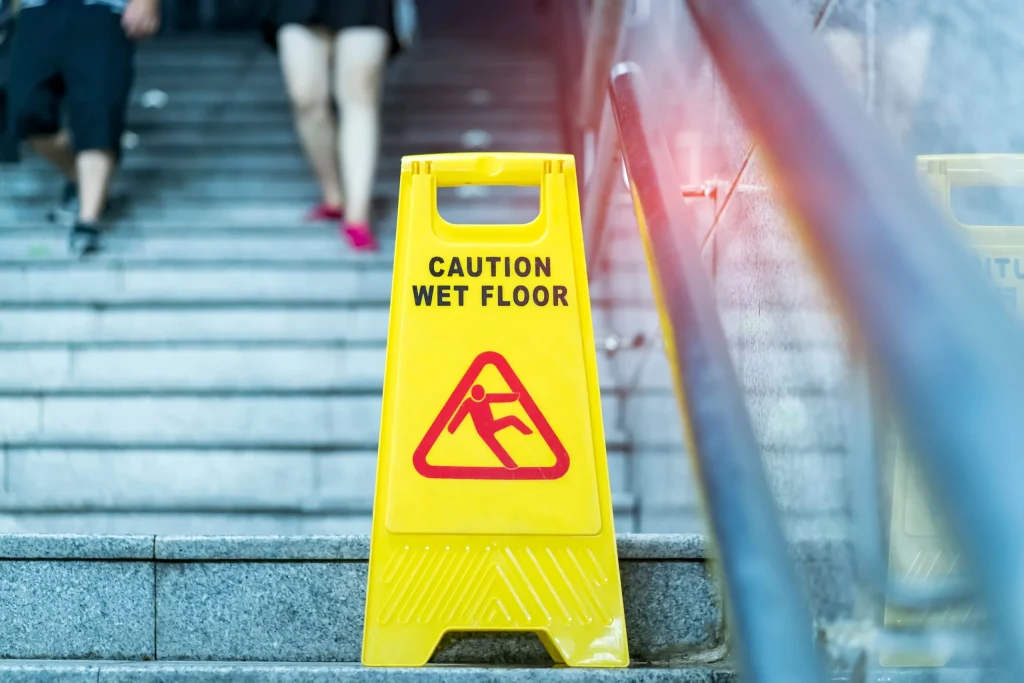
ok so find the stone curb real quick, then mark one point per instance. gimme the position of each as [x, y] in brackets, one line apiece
[270, 548]
[216, 672]
[293, 599]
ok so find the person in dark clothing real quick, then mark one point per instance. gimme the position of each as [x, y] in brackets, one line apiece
[77, 56]
[339, 47]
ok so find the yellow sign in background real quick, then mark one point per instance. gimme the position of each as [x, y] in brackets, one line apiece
[493, 507]
[920, 550]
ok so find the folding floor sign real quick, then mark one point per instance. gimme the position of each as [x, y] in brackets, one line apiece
[492, 509]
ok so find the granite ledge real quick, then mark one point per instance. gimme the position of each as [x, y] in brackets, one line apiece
[662, 547]
[357, 548]
[233, 672]
[75, 547]
[636, 547]
[263, 548]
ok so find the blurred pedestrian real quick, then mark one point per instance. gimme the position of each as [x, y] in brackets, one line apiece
[339, 48]
[77, 55]
[8, 151]
[884, 48]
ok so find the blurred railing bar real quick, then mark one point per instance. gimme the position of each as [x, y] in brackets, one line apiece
[944, 345]
[773, 623]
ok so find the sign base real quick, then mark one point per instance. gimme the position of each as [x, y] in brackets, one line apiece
[566, 590]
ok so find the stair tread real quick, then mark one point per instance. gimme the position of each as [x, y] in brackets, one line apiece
[300, 672]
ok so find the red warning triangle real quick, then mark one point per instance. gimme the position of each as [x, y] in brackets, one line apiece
[470, 403]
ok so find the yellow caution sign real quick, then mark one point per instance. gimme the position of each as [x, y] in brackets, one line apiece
[493, 507]
[920, 549]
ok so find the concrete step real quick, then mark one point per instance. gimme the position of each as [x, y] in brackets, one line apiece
[266, 521]
[292, 600]
[162, 56]
[170, 322]
[363, 282]
[253, 163]
[402, 94]
[32, 243]
[222, 419]
[76, 324]
[439, 116]
[157, 210]
[239, 522]
[196, 601]
[268, 82]
[229, 139]
[99, 282]
[253, 672]
[291, 481]
[479, 104]
[278, 366]
[170, 185]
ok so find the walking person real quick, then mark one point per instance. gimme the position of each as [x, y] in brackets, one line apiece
[336, 48]
[77, 57]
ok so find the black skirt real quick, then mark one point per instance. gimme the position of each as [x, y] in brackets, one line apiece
[335, 15]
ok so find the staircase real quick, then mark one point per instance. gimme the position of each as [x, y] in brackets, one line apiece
[217, 372]
[218, 369]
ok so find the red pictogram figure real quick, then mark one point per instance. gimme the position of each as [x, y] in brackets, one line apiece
[471, 400]
[478, 407]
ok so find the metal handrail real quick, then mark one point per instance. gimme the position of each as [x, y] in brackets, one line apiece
[773, 623]
[946, 349]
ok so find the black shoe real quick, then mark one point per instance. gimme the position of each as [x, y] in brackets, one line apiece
[67, 207]
[69, 195]
[84, 239]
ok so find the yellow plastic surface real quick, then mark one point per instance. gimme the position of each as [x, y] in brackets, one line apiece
[919, 549]
[493, 506]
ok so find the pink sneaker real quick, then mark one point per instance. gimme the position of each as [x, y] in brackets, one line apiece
[359, 236]
[324, 212]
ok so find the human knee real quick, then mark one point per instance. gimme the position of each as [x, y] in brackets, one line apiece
[360, 83]
[309, 101]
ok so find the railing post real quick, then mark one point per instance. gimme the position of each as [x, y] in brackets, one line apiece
[772, 620]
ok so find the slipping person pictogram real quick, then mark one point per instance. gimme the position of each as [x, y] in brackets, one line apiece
[470, 399]
[478, 407]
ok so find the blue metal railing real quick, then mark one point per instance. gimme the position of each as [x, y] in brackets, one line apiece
[946, 350]
[775, 639]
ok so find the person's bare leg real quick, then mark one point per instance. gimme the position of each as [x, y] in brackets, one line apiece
[57, 150]
[305, 62]
[360, 57]
[95, 169]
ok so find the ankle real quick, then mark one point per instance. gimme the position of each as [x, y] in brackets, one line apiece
[332, 200]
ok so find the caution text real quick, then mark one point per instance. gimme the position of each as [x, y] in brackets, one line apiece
[460, 271]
